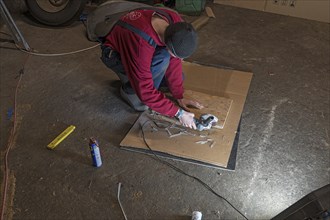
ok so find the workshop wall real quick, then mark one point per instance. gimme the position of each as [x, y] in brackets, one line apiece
[314, 10]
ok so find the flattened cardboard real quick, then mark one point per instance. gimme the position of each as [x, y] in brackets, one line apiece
[230, 84]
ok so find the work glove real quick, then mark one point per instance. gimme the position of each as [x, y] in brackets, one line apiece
[186, 118]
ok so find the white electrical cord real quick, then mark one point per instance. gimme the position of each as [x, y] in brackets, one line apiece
[56, 54]
[121, 207]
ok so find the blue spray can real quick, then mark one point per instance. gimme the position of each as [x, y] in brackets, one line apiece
[95, 151]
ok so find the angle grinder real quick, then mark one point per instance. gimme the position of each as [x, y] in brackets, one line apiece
[205, 122]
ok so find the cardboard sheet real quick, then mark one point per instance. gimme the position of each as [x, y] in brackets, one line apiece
[230, 84]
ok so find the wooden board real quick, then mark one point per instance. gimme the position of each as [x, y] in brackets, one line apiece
[250, 4]
[226, 83]
[215, 105]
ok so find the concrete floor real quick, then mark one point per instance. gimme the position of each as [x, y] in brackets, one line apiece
[283, 149]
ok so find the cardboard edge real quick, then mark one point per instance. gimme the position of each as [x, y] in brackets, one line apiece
[129, 130]
[230, 107]
[231, 165]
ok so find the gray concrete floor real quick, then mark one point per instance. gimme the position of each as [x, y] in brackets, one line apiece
[283, 149]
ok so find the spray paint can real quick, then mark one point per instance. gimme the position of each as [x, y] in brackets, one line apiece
[95, 152]
[196, 215]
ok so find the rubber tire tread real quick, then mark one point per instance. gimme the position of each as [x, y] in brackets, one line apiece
[62, 18]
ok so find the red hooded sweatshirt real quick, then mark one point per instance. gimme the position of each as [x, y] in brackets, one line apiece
[136, 56]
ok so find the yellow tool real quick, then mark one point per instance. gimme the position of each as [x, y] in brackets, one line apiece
[61, 137]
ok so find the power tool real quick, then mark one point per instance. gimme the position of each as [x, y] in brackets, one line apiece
[205, 122]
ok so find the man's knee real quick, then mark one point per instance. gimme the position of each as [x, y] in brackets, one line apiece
[112, 60]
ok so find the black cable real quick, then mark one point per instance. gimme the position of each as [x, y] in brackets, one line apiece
[186, 174]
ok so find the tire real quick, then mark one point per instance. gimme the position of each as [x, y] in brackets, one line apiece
[55, 12]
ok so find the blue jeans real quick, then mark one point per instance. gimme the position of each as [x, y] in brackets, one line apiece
[159, 65]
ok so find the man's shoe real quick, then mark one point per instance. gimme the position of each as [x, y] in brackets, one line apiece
[133, 100]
